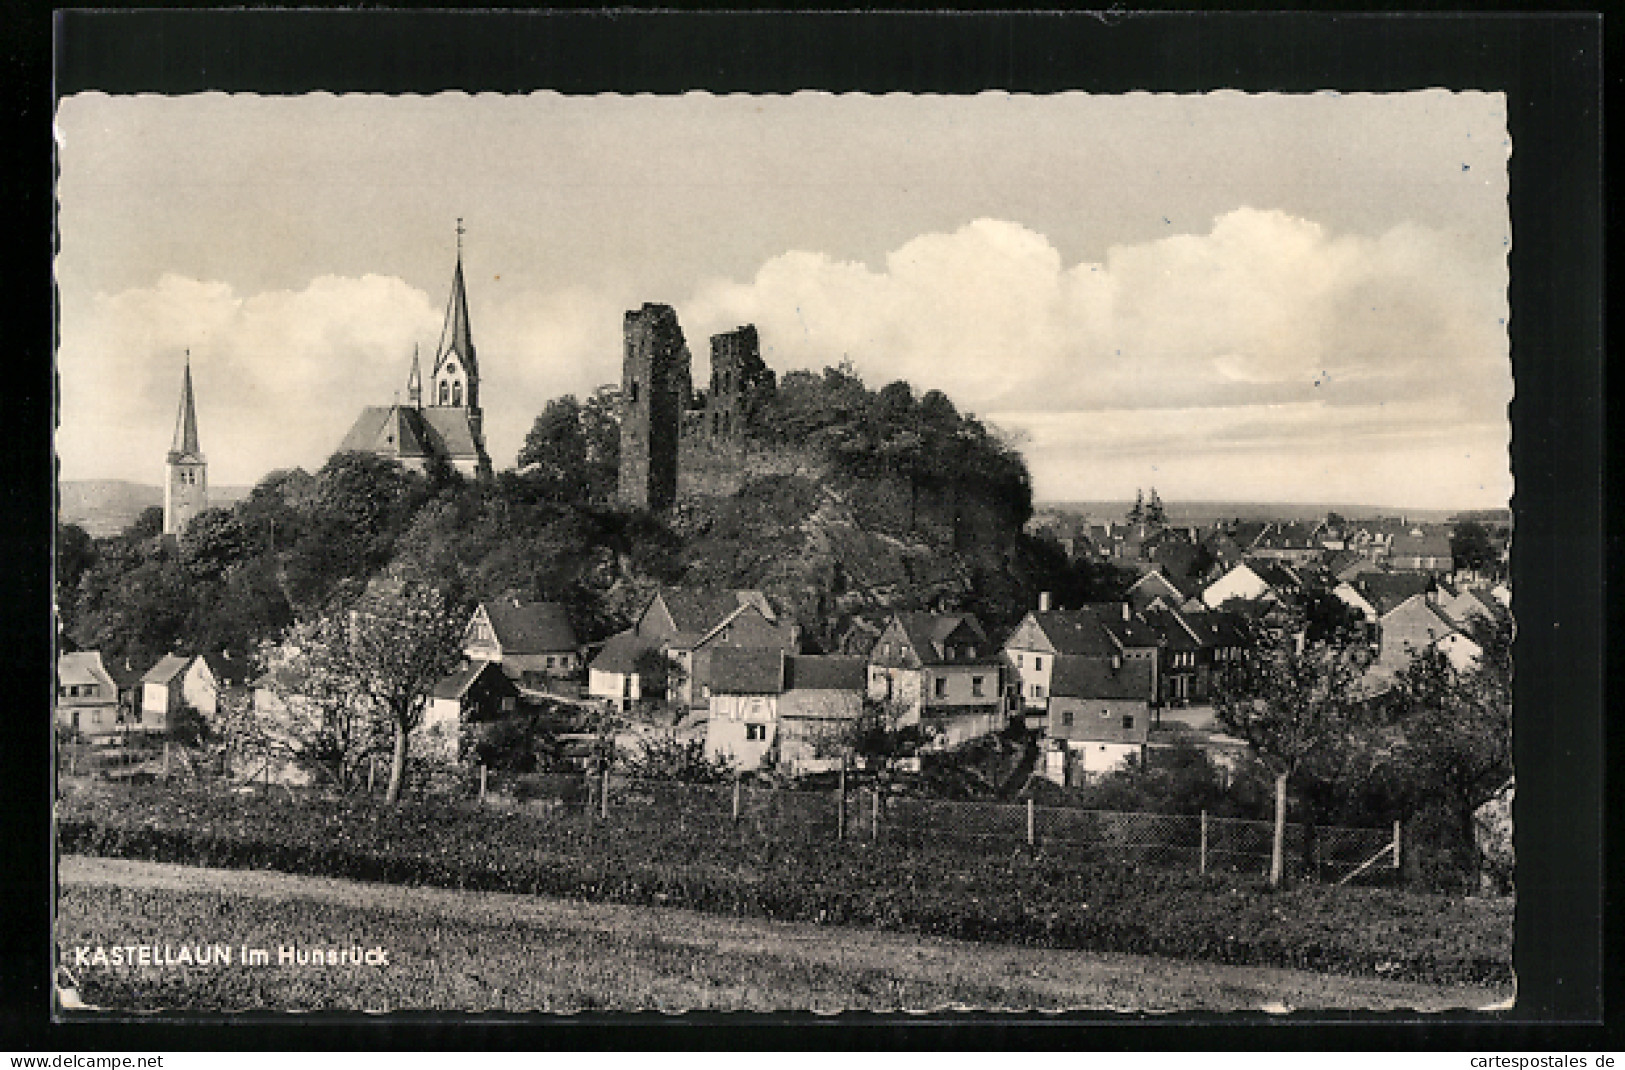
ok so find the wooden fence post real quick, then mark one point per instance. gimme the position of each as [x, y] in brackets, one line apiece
[874, 812]
[736, 799]
[840, 807]
[372, 770]
[482, 782]
[1201, 865]
[166, 759]
[1032, 824]
[1396, 845]
[603, 798]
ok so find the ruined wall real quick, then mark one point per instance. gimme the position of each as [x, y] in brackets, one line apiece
[740, 384]
[655, 389]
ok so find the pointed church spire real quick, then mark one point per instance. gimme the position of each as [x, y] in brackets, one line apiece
[455, 336]
[414, 382]
[185, 447]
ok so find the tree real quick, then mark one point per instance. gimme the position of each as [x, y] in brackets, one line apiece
[1471, 548]
[882, 737]
[150, 522]
[555, 450]
[1293, 703]
[352, 682]
[1456, 728]
[1136, 515]
[402, 641]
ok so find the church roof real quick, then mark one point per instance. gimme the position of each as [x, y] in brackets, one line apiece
[388, 430]
[185, 447]
[403, 431]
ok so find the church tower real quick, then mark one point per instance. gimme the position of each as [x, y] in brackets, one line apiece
[186, 491]
[455, 381]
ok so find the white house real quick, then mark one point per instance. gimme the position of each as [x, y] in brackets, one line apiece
[1240, 582]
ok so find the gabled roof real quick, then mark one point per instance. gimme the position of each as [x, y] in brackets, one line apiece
[698, 611]
[389, 430]
[1173, 629]
[447, 431]
[928, 634]
[1246, 533]
[123, 672]
[1424, 545]
[1075, 631]
[1386, 590]
[826, 672]
[457, 684]
[747, 672]
[1278, 575]
[530, 627]
[1091, 677]
[1289, 536]
[168, 668]
[227, 671]
[621, 652]
[83, 667]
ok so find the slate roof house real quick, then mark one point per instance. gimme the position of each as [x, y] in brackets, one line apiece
[1421, 551]
[943, 671]
[476, 692]
[86, 696]
[532, 641]
[1099, 716]
[765, 703]
[688, 625]
[161, 691]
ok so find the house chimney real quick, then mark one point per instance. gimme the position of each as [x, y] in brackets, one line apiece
[1043, 601]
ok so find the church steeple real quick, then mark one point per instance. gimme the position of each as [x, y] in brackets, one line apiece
[186, 490]
[185, 447]
[456, 375]
[414, 383]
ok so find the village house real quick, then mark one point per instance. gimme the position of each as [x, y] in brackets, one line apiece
[1156, 586]
[1408, 628]
[162, 692]
[1293, 542]
[476, 692]
[87, 696]
[791, 709]
[615, 674]
[210, 678]
[1099, 716]
[1101, 630]
[1241, 582]
[532, 641]
[942, 671]
[1420, 550]
[1465, 604]
[690, 624]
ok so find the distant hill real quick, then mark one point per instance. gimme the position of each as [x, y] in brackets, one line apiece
[1208, 512]
[106, 507]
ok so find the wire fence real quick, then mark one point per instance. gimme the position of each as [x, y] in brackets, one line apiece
[863, 814]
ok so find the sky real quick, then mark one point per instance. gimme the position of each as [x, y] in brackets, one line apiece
[1222, 296]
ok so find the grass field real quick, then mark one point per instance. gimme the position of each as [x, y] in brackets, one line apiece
[656, 856]
[496, 952]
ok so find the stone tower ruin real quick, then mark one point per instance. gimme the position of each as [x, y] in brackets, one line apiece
[654, 395]
[739, 382]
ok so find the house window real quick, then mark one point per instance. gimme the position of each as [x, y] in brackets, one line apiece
[1038, 691]
[1128, 721]
[1018, 661]
[976, 686]
[755, 733]
[508, 704]
[632, 392]
[1038, 664]
[1066, 719]
[457, 393]
[970, 652]
[445, 392]
[940, 686]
